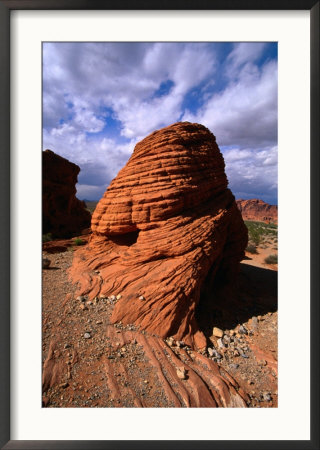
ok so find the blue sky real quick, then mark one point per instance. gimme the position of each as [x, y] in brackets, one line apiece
[100, 99]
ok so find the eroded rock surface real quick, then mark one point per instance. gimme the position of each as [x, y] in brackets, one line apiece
[164, 227]
[258, 210]
[63, 214]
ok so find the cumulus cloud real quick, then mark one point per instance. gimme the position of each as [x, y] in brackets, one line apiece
[245, 112]
[253, 173]
[99, 99]
[242, 54]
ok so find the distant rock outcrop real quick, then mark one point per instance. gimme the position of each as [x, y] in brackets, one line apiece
[258, 210]
[164, 227]
[63, 214]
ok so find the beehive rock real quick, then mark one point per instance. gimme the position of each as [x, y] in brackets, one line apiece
[164, 226]
[63, 214]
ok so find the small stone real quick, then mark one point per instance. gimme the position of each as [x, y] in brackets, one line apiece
[211, 351]
[232, 332]
[181, 372]
[242, 330]
[178, 344]
[236, 353]
[64, 385]
[90, 303]
[254, 323]
[99, 322]
[241, 352]
[87, 335]
[170, 341]
[250, 382]
[227, 338]
[262, 362]
[123, 349]
[146, 381]
[220, 343]
[83, 307]
[45, 263]
[141, 297]
[217, 332]
[81, 298]
[234, 366]
[67, 345]
[134, 341]
[118, 296]
[112, 298]
[267, 397]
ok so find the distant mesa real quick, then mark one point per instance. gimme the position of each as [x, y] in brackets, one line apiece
[258, 210]
[166, 228]
[63, 214]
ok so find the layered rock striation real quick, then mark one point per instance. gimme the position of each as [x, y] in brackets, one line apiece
[164, 227]
[258, 210]
[63, 214]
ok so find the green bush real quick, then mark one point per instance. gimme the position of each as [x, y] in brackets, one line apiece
[78, 241]
[251, 249]
[271, 259]
[258, 231]
[47, 237]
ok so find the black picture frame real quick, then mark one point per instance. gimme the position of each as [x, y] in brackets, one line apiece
[6, 6]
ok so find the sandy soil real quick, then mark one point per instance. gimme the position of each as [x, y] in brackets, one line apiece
[88, 362]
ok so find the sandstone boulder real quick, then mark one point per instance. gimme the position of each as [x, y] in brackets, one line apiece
[63, 214]
[164, 227]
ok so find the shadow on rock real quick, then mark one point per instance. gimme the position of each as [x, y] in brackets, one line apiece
[254, 293]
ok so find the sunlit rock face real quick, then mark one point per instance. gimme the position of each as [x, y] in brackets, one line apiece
[258, 210]
[163, 228]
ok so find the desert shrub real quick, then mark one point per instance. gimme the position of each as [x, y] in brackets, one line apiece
[259, 231]
[271, 259]
[47, 237]
[78, 241]
[251, 249]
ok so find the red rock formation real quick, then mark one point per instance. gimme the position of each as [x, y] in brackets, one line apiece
[164, 226]
[258, 210]
[63, 214]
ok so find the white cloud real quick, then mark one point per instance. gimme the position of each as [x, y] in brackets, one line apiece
[245, 113]
[242, 54]
[253, 172]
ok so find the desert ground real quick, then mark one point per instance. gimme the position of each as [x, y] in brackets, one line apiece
[89, 362]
